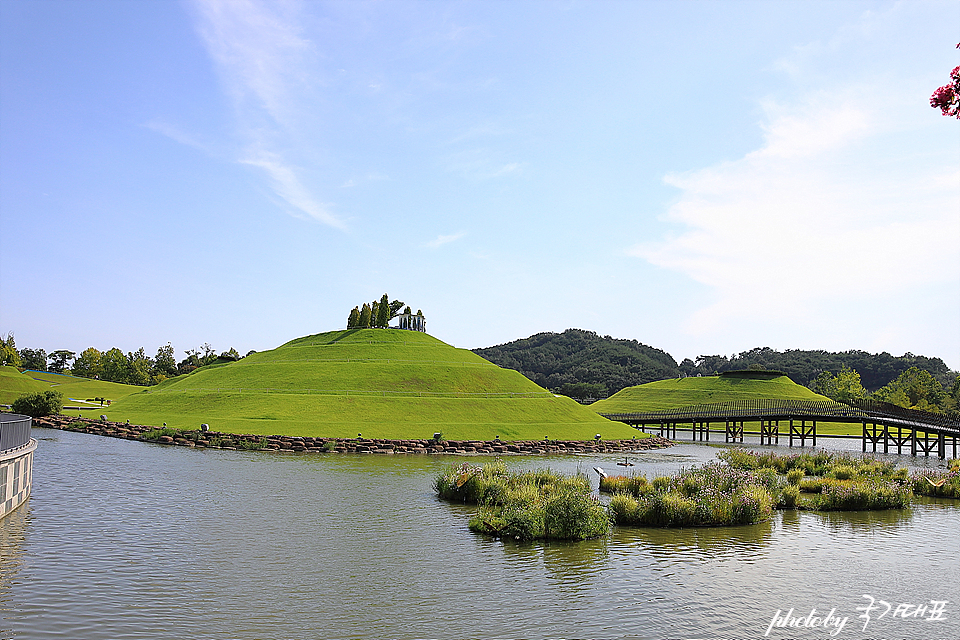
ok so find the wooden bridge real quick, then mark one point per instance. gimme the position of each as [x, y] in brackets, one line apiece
[882, 423]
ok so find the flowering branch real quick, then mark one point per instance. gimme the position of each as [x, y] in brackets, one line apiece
[947, 97]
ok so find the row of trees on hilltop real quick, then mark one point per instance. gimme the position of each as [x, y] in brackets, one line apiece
[803, 367]
[113, 365]
[377, 314]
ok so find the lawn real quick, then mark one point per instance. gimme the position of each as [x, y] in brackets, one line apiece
[76, 391]
[684, 392]
[384, 383]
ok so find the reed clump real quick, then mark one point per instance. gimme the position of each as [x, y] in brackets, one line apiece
[529, 505]
[751, 485]
[937, 483]
[711, 495]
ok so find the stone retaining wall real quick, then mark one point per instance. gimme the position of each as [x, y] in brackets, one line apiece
[292, 444]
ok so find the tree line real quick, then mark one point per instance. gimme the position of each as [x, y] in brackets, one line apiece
[376, 314]
[113, 365]
[582, 364]
[915, 388]
[804, 366]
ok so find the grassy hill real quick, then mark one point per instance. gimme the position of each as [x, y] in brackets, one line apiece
[380, 382]
[13, 384]
[685, 392]
[75, 390]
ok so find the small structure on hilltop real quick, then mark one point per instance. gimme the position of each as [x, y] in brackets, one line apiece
[412, 322]
[379, 314]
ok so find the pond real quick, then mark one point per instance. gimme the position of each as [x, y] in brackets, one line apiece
[123, 539]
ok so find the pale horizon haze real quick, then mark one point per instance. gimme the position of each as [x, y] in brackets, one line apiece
[704, 177]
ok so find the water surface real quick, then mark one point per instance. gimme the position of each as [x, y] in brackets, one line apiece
[124, 539]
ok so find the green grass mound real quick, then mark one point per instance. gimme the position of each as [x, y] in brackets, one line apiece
[383, 383]
[684, 392]
[14, 384]
[533, 505]
[678, 393]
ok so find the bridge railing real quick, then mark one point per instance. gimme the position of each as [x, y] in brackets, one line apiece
[759, 408]
[774, 408]
[878, 409]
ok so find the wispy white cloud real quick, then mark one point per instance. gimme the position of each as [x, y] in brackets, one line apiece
[836, 206]
[264, 63]
[174, 133]
[444, 239]
[286, 184]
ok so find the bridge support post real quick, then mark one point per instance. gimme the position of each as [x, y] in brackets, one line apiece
[769, 431]
[804, 432]
[733, 431]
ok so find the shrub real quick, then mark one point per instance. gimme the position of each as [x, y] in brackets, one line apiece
[154, 434]
[661, 482]
[789, 497]
[794, 476]
[843, 472]
[39, 404]
[623, 509]
[752, 504]
[861, 495]
[525, 506]
[634, 485]
[573, 515]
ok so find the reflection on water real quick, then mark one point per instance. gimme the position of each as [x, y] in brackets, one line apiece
[122, 539]
[700, 544]
[12, 534]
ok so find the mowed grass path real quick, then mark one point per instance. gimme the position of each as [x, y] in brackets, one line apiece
[384, 383]
[684, 392]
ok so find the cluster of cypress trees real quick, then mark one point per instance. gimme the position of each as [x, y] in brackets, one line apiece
[376, 314]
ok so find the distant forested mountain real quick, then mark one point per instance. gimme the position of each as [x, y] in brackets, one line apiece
[876, 370]
[583, 359]
[578, 357]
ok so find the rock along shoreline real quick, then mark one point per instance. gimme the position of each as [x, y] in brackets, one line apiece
[382, 446]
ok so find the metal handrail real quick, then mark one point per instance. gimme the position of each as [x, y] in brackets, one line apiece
[14, 431]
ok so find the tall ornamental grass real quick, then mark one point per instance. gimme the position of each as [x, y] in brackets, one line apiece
[711, 495]
[841, 466]
[528, 505]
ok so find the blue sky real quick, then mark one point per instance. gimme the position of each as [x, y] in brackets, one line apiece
[704, 177]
